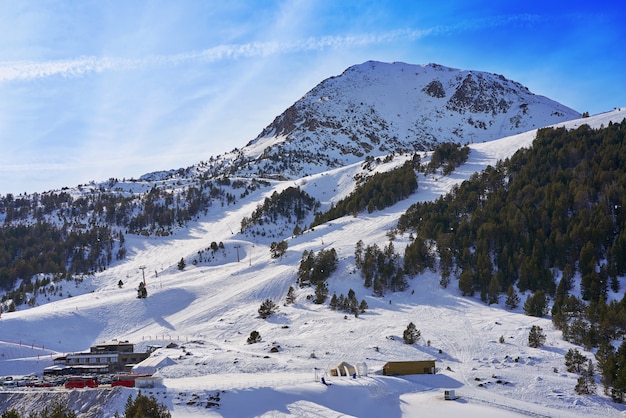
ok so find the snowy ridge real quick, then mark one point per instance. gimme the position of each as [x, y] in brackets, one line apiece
[210, 309]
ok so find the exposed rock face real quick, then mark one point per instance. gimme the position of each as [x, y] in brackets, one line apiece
[476, 94]
[435, 89]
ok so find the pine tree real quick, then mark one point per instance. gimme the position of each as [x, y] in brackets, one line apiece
[536, 337]
[536, 304]
[142, 292]
[466, 283]
[512, 299]
[494, 290]
[586, 382]
[278, 249]
[605, 359]
[333, 302]
[358, 254]
[267, 309]
[363, 306]
[411, 334]
[379, 288]
[321, 292]
[144, 406]
[574, 361]
[182, 264]
[291, 296]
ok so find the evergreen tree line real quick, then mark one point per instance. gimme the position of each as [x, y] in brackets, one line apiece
[612, 367]
[154, 212]
[292, 204]
[553, 211]
[447, 156]
[378, 192]
[56, 233]
[28, 291]
[381, 269]
[556, 206]
[348, 304]
[26, 250]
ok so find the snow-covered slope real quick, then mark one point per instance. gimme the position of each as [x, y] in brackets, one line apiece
[210, 308]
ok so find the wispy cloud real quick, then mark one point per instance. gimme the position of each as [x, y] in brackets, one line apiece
[76, 67]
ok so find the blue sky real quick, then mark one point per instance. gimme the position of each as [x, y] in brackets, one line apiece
[91, 90]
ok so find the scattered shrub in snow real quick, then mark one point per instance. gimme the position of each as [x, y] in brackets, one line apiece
[254, 337]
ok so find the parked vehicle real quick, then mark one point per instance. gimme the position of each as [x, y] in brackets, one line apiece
[80, 382]
[127, 380]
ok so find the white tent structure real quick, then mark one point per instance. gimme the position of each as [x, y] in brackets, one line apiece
[342, 369]
[152, 364]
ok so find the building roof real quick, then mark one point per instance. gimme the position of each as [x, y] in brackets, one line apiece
[113, 343]
[152, 364]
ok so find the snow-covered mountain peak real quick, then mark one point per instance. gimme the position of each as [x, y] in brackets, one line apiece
[376, 108]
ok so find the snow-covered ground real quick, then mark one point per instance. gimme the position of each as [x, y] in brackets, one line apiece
[209, 310]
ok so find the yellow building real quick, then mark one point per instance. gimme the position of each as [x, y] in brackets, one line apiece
[409, 367]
